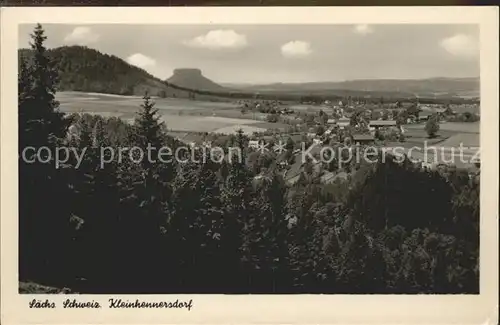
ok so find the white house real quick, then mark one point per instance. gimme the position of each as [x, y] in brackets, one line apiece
[343, 122]
[253, 144]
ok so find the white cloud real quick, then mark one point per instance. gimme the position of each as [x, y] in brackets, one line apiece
[140, 60]
[218, 40]
[296, 49]
[81, 36]
[460, 45]
[363, 29]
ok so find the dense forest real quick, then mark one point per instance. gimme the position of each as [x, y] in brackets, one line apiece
[83, 69]
[207, 227]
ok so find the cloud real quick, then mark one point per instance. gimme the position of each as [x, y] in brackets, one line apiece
[81, 35]
[296, 49]
[460, 45]
[363, 29]
[218, 40]
[140, 60]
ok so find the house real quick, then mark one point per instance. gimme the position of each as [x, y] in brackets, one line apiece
[382, 123]
[253, 144]
[331, 121]
[363, 138]
[424, 115]
[317, 141]
[343, 122]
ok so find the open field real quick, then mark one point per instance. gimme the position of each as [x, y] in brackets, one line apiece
[457, 143]
[207, 123]
[462, 127]
[224, 117]
[466, 139]
[75, 101]
[178, 114]
[450, 134]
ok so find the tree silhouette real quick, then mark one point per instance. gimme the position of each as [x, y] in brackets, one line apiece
[44, 224]
[432, 126]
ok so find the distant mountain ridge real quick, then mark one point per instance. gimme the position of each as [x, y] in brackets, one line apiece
[468, 87]
[88, 70]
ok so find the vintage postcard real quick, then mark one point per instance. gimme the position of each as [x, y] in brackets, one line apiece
[249, 165]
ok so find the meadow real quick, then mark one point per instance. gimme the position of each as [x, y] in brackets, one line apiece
[450, 134]
[178, 114]
[226, 117]
[450, 137]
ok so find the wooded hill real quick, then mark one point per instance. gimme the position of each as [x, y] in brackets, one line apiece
[84, 69]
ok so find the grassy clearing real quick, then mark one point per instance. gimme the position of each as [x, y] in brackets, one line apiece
[247, 129]
[466, 139]
[179, 114]
[450, 134]
[203, 123]
[462, 127]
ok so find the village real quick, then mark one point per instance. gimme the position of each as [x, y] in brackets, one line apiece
[344, 129]
[275, 181]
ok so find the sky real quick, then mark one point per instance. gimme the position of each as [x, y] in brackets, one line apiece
[262, 54]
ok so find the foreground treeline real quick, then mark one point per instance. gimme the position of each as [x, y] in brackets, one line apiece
[214, 228]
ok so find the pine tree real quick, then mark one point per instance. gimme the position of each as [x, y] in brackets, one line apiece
[24, 80]
[39, 117]
[43, 190]
[148, 129]
[237, 197]
[146, 193]
[195, 228]
[265, 237]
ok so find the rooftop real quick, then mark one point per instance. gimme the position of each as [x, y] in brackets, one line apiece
[382, 122]
[362, 137]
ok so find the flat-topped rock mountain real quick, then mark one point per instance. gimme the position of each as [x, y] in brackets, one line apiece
[193, 79]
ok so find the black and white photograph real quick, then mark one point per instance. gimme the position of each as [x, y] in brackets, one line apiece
[248, 159]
